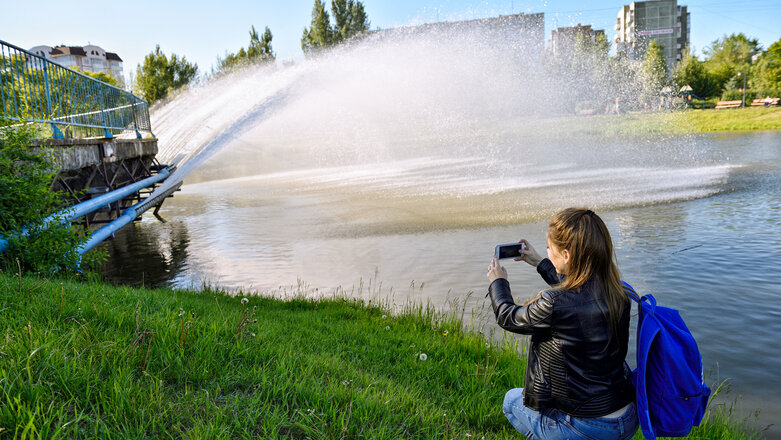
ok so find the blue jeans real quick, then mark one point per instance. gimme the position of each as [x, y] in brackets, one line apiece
[554, 424]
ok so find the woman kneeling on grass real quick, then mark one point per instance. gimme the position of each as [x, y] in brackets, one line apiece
[578, 385]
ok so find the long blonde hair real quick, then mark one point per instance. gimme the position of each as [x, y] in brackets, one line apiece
[591, 254]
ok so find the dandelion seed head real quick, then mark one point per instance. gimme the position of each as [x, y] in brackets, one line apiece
[423, 356]
[387, 327]
[384, 316]
[244, 300]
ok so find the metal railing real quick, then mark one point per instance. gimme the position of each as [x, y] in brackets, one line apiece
[34, 89]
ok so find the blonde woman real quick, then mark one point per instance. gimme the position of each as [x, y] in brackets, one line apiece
[577, 384]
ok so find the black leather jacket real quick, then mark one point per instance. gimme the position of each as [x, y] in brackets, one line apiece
[569, 366]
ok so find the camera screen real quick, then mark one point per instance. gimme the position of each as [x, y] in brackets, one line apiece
[510, 251]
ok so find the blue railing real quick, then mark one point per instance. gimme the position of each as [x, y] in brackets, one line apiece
[34, 89]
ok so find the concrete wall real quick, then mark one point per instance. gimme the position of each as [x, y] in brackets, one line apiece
[89, 167]
[75, 154]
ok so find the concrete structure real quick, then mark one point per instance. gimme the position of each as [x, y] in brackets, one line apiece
[89, 58]
[662, 20]
[91, 167]
[562, 40]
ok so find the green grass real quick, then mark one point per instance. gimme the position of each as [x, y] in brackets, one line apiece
[692, 121]
[87, 360]
[729, 120]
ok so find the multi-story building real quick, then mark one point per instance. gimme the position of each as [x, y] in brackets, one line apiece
[89, 58]
[662, 20]
[562, 40]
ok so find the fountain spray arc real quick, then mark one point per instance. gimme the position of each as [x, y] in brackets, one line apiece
[434, 77]
[454, 112]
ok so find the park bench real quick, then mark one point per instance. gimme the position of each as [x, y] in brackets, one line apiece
[761, 101]
[729, 104]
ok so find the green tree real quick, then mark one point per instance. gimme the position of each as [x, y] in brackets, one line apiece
[100, 76]
[766, 72]
[653, 70]
[160, 75]
[318, 35]
[260, 47]
[350, 19]
[259, 51]
[729, 55]
[691, 71]
[590, 71]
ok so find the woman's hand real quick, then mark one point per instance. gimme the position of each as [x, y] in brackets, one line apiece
[496, 271]
[529, 254]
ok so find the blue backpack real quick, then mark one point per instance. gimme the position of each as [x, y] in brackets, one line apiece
[671, 393]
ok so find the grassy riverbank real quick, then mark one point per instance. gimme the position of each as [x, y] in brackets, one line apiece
[738, 120]
[87, 360]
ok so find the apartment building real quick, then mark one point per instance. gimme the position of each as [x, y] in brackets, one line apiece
[562, 40]
[665, 21]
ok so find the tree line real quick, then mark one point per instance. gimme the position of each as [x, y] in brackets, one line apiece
[728, 63]
[591, 78]
[159, 74]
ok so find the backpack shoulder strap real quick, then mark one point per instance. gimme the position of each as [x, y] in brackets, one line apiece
[630, 292]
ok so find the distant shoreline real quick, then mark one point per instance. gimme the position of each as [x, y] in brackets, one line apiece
[739, 120]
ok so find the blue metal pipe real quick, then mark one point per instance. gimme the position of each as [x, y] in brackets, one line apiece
[128, 215]
[72, 213]
[91, 205]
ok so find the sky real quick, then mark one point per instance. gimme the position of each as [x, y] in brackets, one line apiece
[203, 30]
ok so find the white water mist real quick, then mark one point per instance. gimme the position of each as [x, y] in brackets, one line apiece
[445, 112]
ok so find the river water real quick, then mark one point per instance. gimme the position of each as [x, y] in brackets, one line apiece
[696, 221]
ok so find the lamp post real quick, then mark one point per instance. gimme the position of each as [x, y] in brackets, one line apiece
[743, 103]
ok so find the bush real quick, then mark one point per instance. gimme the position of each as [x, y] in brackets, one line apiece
[732, 95]
[737, 95]
[751, 95]
[26, 200]
[761, 93]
